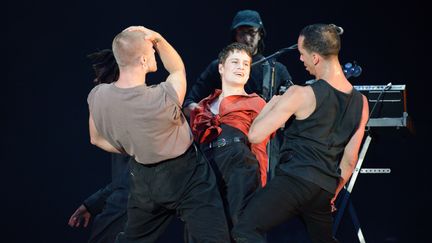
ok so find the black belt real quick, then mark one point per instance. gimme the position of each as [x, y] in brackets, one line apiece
[220, 142]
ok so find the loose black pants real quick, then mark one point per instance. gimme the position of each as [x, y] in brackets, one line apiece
[237, 172]
[183, 186]
[284, 197]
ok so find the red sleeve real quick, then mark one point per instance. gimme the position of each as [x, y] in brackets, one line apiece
[260, 152]
[260, 149]
[205, 126]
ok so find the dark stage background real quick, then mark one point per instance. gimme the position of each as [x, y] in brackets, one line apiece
[49, 166]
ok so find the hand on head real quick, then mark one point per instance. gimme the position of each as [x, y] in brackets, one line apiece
[150, 35]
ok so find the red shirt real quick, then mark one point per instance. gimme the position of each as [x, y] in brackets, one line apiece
[237, 111]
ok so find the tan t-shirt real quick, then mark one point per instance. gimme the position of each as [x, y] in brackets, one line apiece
[144, 121]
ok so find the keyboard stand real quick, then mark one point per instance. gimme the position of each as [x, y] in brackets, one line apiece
[347, 192]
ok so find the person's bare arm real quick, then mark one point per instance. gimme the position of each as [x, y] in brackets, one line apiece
[269, 106]
[175, 67]
[170, 59]
[350, 156]
[278, 111]
[98, 140]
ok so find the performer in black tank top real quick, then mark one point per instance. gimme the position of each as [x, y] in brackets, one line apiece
[320, 146]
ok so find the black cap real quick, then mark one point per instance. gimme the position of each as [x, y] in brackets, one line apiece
[248, 18]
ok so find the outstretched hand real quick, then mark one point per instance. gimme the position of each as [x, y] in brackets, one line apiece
[80, 216]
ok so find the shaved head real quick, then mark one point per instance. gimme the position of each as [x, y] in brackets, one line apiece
[128, 47]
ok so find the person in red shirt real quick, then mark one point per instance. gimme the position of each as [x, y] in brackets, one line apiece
[220, 124]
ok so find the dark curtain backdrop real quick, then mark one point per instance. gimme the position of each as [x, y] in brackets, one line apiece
[49, 165]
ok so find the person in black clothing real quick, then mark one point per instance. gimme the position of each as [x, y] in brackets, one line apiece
[107, 206]
[320, 147]
[247, 28]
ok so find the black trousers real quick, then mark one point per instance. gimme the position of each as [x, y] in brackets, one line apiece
[238, 177]
[109, 233]
[284, 197]
[237, 173]
[184, 186]
[273, 149]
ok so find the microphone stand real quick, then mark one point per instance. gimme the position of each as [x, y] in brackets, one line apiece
[276, 54]
[271, 60]
[269, 63]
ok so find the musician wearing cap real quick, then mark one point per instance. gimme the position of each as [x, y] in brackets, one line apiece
[220, 123]
[320, 147]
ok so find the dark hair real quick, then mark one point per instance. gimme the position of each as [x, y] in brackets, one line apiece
[104, 66]
[236, 46]
[322, 38]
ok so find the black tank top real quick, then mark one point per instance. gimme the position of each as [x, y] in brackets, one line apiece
[312, 148]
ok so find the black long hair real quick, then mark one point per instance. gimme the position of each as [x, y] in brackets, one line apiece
[104, 66]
